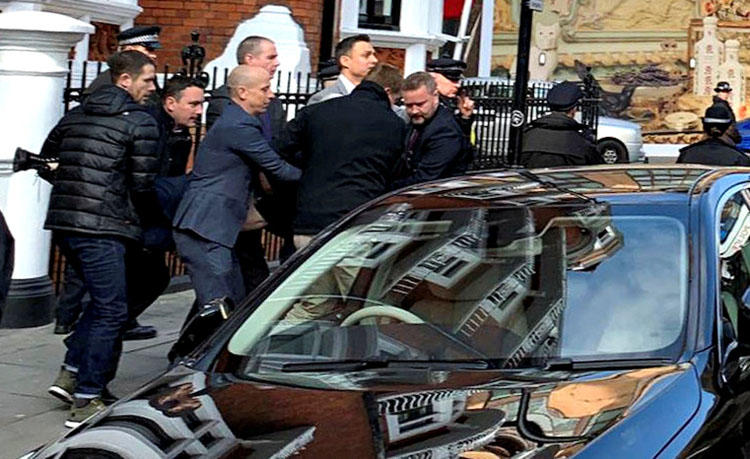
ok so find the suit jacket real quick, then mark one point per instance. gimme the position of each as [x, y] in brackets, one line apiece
[345, 156]
[331, 92]
[220, 99]
[218, 192]
[440, 150]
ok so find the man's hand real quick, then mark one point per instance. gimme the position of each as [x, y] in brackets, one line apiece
[265, 184]
[465, 106]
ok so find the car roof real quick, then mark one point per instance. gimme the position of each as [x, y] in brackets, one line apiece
[560, 185]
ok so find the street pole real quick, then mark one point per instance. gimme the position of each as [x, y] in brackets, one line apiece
[518, 113]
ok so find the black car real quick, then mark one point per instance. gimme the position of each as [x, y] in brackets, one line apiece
[590, 312]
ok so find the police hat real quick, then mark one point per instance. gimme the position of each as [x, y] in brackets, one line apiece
[452, 69]
[718, 114]
[723, 86]
[147, 36]
[564, 96]
[328, 70]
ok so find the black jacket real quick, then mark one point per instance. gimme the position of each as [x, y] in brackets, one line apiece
[219, 100]
[714, 152]
[348, 147]
[174, 144]
[557, 140]
[440, 150]
[108, 160]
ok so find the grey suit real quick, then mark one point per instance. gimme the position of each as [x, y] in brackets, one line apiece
[214, 207]
[337, 90]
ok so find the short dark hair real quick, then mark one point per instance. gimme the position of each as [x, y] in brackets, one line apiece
[179, 83]
[386, 76]
[344, 47]
[418, 79]
[130, 62]
[250, 45]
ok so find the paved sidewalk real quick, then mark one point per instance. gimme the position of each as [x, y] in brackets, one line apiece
[30, 359]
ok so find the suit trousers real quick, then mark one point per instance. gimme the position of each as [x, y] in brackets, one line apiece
[213, 268]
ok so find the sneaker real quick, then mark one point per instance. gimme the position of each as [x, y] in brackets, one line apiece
[63, 386]
[83, 409]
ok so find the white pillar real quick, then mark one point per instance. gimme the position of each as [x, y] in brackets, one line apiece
[415, 19]
[34, 49]
[82, 47]
[485, 40]
[415, 58]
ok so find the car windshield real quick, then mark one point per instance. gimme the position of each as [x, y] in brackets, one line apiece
[511, 285]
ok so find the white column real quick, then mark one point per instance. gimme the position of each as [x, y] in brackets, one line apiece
[485, 40]
[34, 49]
[82, 47]
[415, 58]
[415, 19]
[350, 14]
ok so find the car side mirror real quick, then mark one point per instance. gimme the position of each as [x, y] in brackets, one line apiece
[202, 325]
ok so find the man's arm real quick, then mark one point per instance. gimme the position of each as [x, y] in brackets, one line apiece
[441, 150]
[51, 146]
[249, 142]
[291, 145]
[144, 166]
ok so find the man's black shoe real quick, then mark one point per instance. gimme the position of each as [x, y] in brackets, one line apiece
[108, 397]
[62, 329]
[139, 332]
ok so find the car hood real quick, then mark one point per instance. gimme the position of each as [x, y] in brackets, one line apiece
[388, 413]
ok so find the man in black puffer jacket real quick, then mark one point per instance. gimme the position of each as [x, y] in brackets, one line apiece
[102, 198]
[558, 139]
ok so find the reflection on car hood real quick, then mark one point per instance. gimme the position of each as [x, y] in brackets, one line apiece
[218, 415]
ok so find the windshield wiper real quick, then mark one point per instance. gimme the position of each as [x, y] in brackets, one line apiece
[568, 364]
[358, 365]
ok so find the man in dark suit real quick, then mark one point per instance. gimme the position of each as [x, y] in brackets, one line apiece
[342, 172]
[355, 57]
[216, 203]
[435, 146]
[277, 208]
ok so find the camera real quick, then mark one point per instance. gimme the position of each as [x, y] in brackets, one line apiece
[25, 160]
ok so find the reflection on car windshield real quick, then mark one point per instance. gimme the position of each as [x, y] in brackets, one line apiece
[511, 284]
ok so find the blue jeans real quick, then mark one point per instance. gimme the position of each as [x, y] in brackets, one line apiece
[95, 346]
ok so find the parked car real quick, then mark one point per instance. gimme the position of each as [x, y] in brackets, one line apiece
[744, 127]
[619, 141]
[596, 312]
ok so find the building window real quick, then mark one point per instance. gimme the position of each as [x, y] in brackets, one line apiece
[379, 14]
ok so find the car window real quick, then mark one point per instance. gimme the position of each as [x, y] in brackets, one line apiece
[513, 284]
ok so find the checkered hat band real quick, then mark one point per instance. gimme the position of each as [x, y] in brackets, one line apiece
[717, 120]
[139, 40]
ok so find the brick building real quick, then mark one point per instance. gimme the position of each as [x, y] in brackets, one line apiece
[216, 20]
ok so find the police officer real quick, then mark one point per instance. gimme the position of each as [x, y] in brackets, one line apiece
[558, 139]
[718, 149]
[144, 39]
[447, 73]
[723, 90]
